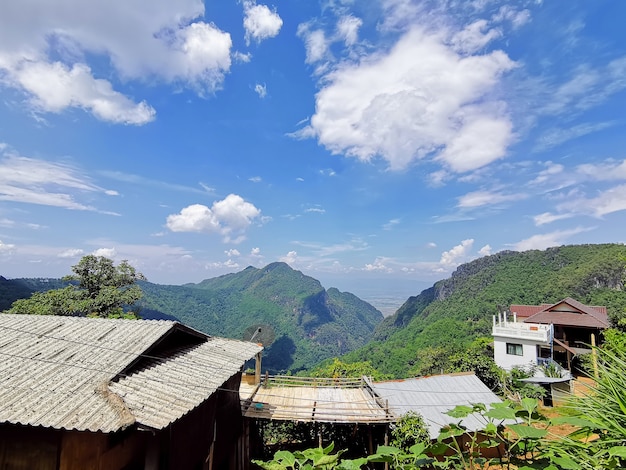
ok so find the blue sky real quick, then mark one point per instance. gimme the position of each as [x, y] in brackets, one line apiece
[371, 144]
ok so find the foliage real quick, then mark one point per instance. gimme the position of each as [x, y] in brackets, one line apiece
[97, 288]
[433, 327]
[310, 323]
[409, 430]
[335, 368]
[600, 441]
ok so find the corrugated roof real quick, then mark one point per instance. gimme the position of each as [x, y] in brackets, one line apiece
[432, 397]
[581, 315]
[57, 371]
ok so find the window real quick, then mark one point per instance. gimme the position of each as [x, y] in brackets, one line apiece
[514, 349]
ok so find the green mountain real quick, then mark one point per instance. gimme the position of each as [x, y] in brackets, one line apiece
[301, 321]
[445, 318]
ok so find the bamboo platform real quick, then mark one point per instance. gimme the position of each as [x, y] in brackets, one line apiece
[322, 400]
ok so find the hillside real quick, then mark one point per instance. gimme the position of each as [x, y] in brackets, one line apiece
[304, 323]
[445, 318]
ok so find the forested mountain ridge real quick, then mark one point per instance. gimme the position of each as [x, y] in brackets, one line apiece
[445, 318]
[306, 322]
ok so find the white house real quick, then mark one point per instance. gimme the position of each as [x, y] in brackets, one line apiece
[529, 335]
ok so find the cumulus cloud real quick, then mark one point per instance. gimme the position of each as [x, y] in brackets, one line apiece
[106, 252]
[289, 258]
[255, 252]
[34, 181]
[485, 250]
[457, 254]
[229, 217]
[444, 109]
[48, 58]
[232, 252]
[260, 22]
[378, 265]
[71, 253]
[260, 90]
[6, 247]
[53, 87]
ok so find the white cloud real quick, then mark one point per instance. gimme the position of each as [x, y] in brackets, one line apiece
[230, 217]
[47, 57]
[317, 210]
[315, 43]
[457, 254]
[6, 247]
[53, 87]
[379, 264]
[548, 217]
[547, 240]
[608, 201]
[517, 18]
[232, 252]
[485, 250]
[106, 252]
[71, 253]
[255, 179]
[255, 252]
[607, 171]
[391, 224]
[484, 198]
[552, 169]
[289, 258]
[33, 181]
[557, 136]
[260, 90]
[348, 29]
[385, 105]
[473, 37]
[260, 22]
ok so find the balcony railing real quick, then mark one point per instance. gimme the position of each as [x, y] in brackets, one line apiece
[523, 331]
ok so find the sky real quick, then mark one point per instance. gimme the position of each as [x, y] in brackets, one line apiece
[373, 145]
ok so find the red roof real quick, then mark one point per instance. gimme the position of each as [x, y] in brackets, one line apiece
[568, 312]
[525, 311]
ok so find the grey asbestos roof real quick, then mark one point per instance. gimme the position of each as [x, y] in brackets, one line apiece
[93, 374]
[433, 396]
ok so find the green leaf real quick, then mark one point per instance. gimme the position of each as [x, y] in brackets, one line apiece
[418, 448]
[285, 457]
[460, 411]
[573, 421]
[387, 450]
[618, 451]
[501, 413]
[565, 463]
[528, 432]
[530, 405]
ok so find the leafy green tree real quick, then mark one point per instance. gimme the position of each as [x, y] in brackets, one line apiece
[409, 430]
[97, 288]
[336, 368]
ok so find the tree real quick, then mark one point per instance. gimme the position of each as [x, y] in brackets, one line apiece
[97, 288]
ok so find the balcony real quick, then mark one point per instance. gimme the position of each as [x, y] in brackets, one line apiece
[515, 330]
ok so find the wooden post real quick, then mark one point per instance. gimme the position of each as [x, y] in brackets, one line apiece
[594, 355]
[257, 368]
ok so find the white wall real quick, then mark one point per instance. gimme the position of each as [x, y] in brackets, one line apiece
[508, 361]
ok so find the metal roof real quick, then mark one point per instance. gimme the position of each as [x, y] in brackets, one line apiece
[432, 397]
[57, 372]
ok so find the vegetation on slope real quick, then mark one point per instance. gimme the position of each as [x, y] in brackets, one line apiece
[309, 324]
[446, 318]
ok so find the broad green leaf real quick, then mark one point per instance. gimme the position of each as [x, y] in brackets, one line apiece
[285, 457]
[501, 413]
[524, 431]
[565, 463]
[618, 451]
[460, 411]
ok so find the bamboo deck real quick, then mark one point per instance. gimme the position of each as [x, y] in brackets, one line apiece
[314, 400]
